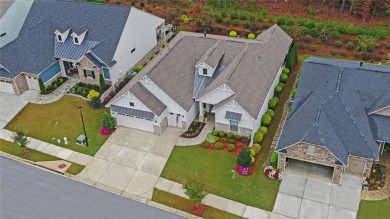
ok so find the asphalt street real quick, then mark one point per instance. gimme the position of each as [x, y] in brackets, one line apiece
[29, 192]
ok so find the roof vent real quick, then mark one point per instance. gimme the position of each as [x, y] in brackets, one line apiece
[3, 34]
[361, 64]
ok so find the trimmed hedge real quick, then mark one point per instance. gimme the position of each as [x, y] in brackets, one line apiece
[251, 36]
[278, 88]
[218, 145]
[233, 33]
[263, 130]
[270, 112]
[231, 147]
[283, 77]
[256, 147]
[266, 120]
[286, 71]
[258, 137]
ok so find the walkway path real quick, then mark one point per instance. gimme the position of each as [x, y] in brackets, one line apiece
[200, 138]
[50, 98]
[54, 150]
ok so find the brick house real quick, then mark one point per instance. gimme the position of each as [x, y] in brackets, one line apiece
[58, 38]
[340, 119]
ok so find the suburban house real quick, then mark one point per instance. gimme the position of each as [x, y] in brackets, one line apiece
[231, 78]
[340, 119]
[48, 39]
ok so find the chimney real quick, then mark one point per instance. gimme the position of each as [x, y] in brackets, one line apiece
[205, 34]
[361, 64]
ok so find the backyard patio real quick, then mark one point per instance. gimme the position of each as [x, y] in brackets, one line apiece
[50, 122]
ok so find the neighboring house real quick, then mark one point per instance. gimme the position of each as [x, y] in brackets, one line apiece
[340, 118]
[232, 78]
[58, 38]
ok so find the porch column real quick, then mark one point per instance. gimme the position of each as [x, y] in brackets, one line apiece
[62, 68]
[201, 112]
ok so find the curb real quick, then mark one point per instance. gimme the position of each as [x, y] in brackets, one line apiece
[29, 163]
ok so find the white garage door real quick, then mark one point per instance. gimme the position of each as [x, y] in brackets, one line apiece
[136, 123]
[6, 86]
[32, 82]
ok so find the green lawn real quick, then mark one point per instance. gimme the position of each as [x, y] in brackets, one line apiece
[61, 119]
[35, 156]
[374, 209]
[183, 204]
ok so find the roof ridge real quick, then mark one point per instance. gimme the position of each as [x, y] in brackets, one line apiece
[237, 61]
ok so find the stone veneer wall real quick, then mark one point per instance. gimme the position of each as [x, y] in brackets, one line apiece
[367, 168]
[321, 156]
[225, 128]
[184, 125]
[87, 65]
[20, 84]
[221, 127]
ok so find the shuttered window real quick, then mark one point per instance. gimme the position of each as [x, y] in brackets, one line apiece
[89, 73]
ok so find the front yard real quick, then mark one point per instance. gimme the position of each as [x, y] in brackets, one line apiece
[374, 209]
[50, 122]
[218, 168]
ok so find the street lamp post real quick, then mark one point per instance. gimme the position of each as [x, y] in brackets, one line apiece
[82, 120]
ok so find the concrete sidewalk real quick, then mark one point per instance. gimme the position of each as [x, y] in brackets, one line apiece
[62, 153]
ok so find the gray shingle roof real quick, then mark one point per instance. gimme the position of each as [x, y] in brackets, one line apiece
[381, 103]
[33, 50]
[146, 97]
[335, 96]
[132, 112]
[380, 126]
[245, 73]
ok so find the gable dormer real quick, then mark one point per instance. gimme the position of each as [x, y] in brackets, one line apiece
[205, 70]
[61, 37]
[78, 38]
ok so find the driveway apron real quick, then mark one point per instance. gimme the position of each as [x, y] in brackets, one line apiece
[304, 197]
[131, 161]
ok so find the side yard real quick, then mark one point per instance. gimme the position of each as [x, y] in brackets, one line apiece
[50, 122]
[217, 167]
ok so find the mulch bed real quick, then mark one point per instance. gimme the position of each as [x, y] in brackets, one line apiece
[239, 145]
[194, 130]
[377, 178]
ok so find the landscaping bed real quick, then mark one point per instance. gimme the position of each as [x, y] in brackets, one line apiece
[83, 89]
[54, 85]
[183, 204]
[377, 178]
[194, 129]
[50, 122]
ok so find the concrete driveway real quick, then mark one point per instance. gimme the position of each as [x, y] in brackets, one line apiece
[10, 105]
[131, 161]
[304, 197]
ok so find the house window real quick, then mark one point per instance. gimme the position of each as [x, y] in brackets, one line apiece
[310, 150]
[233, 125]
[204, 105]
[76, 40]
[205, 71]
[131, 104]
[89, 73]
[133, 50]
[59, 37]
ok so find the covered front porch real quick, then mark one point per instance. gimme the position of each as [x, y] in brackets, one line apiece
[205, 111]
